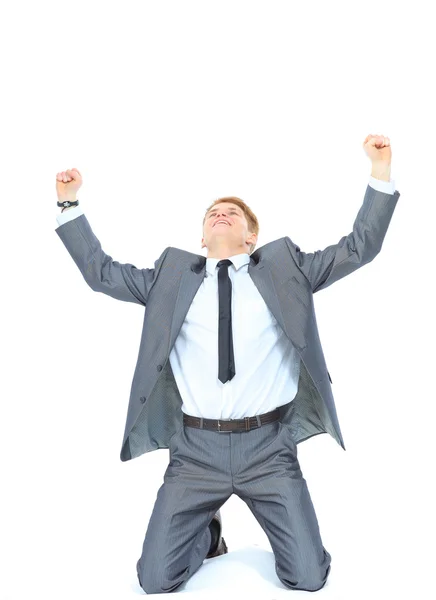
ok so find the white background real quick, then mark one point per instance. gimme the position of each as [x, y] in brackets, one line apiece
[164, 107]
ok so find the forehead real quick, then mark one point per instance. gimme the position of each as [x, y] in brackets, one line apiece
[227, 205]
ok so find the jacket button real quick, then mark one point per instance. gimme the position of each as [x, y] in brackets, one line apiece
[142, 399]
[159, 367]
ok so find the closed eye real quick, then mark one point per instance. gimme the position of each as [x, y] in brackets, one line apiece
[235, 213]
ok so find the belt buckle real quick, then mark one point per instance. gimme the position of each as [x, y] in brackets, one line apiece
[222, 430]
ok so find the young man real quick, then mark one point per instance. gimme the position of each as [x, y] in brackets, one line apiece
[231, 375]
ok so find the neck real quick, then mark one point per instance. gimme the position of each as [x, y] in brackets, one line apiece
[224, 250]
[222, 254]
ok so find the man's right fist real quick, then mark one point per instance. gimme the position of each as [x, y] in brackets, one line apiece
[67, 184]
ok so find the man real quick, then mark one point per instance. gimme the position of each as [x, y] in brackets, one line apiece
[231, 375]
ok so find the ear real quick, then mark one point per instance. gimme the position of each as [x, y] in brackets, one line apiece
[253, 239]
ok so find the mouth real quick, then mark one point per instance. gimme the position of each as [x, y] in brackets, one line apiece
[222, 224]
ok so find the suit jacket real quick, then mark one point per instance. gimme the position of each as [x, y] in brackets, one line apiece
[286, 278]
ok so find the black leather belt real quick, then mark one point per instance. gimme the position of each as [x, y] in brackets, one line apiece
[235, 425]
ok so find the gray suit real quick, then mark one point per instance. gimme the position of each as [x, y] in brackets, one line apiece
[286, 278]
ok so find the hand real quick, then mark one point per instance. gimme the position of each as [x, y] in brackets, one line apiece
[67, 184]
[378, 148]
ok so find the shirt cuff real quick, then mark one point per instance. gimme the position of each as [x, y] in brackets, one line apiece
[69, 215]
[388, 187]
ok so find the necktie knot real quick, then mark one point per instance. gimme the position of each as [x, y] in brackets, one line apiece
[224, 263]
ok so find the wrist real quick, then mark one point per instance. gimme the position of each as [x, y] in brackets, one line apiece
[65, 203]
[381, 171]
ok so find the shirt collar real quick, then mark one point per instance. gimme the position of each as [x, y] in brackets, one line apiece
[238, 261]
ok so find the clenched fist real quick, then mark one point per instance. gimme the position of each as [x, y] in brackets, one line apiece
[67, 184]
[378, 148]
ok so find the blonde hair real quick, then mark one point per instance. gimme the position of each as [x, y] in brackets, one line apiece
[253, 223]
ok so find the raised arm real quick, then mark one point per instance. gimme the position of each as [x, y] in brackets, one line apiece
[120, 281]
[361, 246]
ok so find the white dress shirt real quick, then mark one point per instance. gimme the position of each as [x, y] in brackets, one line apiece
[266, 363]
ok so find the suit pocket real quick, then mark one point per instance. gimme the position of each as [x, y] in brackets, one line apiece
[288, 434]
[286, 450]
[175, 434]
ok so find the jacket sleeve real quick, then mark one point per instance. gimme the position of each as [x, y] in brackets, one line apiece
[361, 246]
[102, 273]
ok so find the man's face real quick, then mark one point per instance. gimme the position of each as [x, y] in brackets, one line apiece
[234, 230]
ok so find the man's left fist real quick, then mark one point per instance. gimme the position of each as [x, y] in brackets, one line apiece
[378, 148]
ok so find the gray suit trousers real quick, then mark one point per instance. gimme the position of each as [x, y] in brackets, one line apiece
[205, 469]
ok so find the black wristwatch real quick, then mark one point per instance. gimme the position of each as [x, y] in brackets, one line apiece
[68, 203]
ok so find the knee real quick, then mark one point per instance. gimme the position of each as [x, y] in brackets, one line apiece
[306, 581]
[153, 581]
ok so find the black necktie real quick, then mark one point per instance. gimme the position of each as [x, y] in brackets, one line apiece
[226, 369]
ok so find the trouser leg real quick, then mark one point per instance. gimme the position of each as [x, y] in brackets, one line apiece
[178, 536]
[273, 487]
